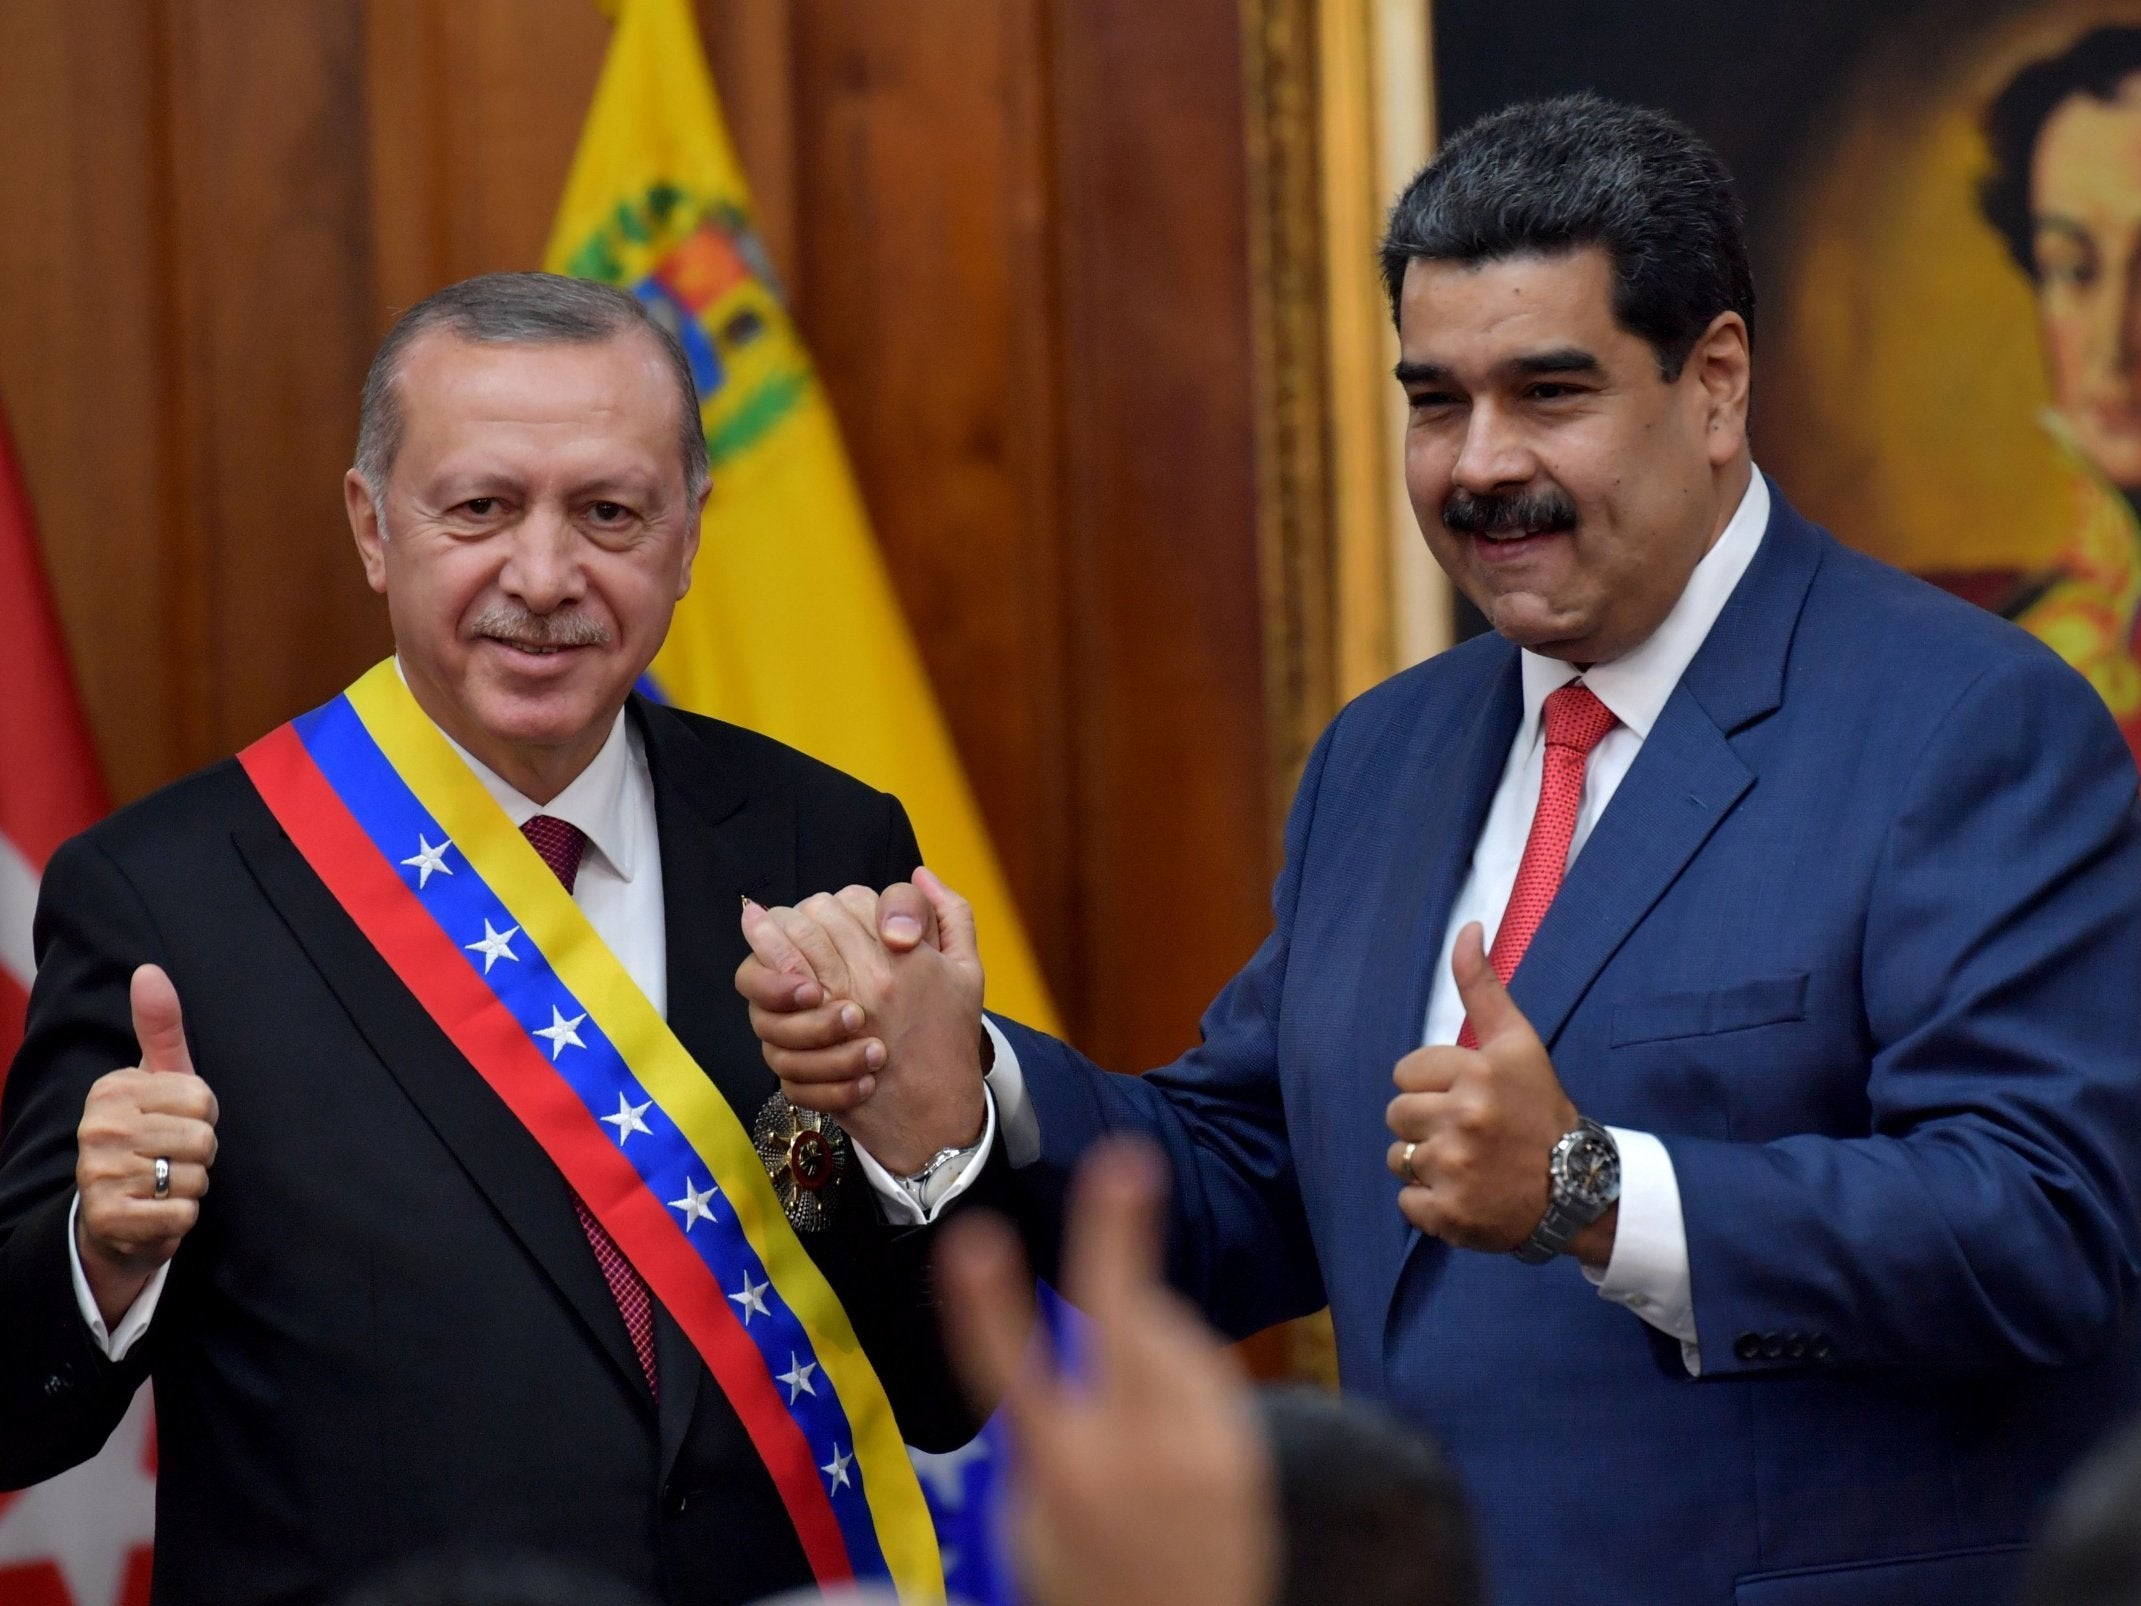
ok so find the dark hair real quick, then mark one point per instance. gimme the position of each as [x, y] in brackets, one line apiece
[2090, 1553]
[1357, 1488]
[1548, 176]
[475, 1575]
[2095, 65]
[533, 309]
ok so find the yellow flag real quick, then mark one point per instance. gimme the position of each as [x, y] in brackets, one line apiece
[791, 626]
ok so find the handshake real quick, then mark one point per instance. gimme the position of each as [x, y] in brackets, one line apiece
[869, 1008]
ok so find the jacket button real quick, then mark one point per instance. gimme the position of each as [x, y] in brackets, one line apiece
[674, 1501]
[1795, 1347]
[1748, 1347]
[1772, 1346]
[1821, 1349]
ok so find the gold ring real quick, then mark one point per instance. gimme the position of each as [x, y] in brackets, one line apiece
[1405, 1165]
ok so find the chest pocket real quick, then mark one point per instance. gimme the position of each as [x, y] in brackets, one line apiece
[1736, 1008]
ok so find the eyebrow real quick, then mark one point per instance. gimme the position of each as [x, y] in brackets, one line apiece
[1560, 360]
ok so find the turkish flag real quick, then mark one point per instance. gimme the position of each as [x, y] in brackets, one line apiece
[83, 1538]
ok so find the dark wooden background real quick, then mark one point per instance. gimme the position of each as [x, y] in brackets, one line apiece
[1016, 235]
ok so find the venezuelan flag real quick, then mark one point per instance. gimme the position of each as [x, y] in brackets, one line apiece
[792, 626]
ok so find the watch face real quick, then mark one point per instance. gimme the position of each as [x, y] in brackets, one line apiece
[1590, 1169]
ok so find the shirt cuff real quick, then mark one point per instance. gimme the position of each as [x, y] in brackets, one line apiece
[907, 1206]
[1648, 1270]
[112, 1344]
[1022, 1126]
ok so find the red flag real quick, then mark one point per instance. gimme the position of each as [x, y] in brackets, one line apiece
[82, 1539]
[49, 784]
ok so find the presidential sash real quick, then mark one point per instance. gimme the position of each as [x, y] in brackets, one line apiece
[494, 948]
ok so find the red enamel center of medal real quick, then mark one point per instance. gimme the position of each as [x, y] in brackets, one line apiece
[810, 1159]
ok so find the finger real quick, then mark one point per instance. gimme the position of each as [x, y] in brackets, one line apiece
[128, 1093]
[955, 917]
[988, 1311]
[844, 1062]
[175, 1138]
[785, 977]
[1430, 1070]
[136, 1226]
[158, 1026]
[1112, 1248]
[861, 902]
[808, 935]
[854, 939]
[1493, 1014]
[829, 1098]
[905, 919]
[827, 1026]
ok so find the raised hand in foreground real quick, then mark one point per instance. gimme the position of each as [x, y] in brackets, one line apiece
[1146, 1478]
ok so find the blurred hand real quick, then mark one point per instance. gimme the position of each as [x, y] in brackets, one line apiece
[1147, 1479]
[158, 1109]
[1482, 1124]
[869, 1009]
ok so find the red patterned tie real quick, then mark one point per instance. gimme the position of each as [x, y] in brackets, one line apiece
[560, 843]
[1576, 721]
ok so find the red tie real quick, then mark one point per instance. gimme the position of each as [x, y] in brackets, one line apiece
[560, 843]
[1575, 723]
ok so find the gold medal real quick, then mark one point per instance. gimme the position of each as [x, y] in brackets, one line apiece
[805, 1155]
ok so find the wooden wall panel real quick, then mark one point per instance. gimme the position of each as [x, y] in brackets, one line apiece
[1172, 760]
[85, 369]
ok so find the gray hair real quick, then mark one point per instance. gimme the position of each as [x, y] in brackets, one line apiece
[534, 309]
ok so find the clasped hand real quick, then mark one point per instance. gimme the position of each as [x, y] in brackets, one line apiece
[869, 1009]
[1478, 1125]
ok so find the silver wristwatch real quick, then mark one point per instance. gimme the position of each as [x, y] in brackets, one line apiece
[916, 1183]
[1583, 1178]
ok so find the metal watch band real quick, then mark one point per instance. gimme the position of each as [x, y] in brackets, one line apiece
[1565, 1217]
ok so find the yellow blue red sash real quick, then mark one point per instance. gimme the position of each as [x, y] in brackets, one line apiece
[474, 924]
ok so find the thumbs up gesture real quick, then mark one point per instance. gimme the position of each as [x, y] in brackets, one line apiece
[156, 1111]
[1476, 1127]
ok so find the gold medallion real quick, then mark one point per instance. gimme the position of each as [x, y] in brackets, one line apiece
[805, 1155]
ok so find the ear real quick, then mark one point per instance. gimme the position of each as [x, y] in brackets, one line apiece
[1722, 368]
[369, 529]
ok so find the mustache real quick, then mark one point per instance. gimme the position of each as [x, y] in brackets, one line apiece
[1546, 510]
[507, 621]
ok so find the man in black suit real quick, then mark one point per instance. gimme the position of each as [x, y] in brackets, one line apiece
[392, 1324]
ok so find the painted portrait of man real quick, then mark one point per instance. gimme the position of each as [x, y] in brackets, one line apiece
[2064, 192]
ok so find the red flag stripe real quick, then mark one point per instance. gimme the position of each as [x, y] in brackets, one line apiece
[49, 783]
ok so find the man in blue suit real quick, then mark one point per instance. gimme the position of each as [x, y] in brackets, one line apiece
[1811, 1107]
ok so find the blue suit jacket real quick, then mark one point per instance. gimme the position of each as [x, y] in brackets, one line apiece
[1860, 938]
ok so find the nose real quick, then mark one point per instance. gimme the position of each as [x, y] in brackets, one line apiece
[1494, 454]
[542, 568]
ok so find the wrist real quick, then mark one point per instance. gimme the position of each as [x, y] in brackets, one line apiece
[1594, 1245]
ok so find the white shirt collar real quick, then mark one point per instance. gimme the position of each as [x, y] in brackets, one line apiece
[598, 800]
[1635, 685]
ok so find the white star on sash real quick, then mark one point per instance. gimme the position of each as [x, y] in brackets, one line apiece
[629, 1119]
[494, 945]
[836, 1469]
[428, 859]
[697, 1206]
[797, 1377]
[753, 1300]
[564, 1034]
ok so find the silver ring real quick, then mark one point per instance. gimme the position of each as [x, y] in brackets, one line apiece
[1405, 1165]
[163, 1177]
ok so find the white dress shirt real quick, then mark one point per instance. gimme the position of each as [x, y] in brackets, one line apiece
[619, 888]
[1648, 1270]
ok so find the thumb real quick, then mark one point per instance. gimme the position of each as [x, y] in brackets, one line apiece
[905, 920]
[1492, 1012]
[158, 1027]
[955, 918]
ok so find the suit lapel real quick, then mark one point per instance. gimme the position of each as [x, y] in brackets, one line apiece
[1684, 782]
[499, 1155]
[718, 843]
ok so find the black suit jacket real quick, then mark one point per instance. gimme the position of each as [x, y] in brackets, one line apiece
[387, 1330]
